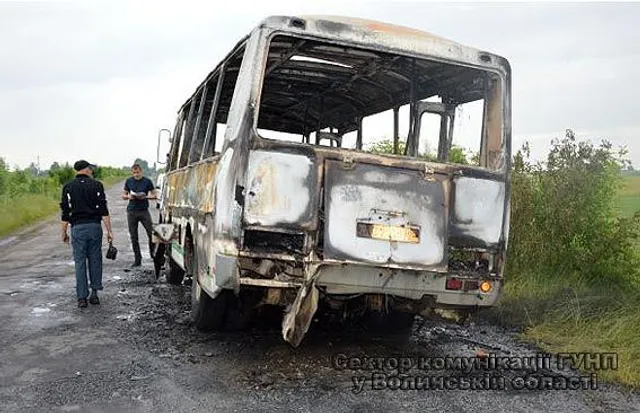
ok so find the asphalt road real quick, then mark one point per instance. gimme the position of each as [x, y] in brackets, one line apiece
[137, 351]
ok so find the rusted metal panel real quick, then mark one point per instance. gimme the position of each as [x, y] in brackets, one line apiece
[225, 212]
[297, 320]
[175, 185]
[495, 153]
[201, 186]
[192, 187]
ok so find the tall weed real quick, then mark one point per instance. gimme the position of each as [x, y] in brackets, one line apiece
[564, 218]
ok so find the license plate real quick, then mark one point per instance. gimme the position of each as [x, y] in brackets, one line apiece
[406, 233]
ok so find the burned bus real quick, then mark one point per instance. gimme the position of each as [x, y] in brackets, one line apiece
[319, 166]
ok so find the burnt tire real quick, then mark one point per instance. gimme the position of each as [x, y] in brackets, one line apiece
[175, 274]
[239, 311]
[208, 314]
[393, 322]
[159, 258]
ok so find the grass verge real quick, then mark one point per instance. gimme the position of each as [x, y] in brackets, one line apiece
[576, 313]
[25, 210]
[28, 209]
[564, 315]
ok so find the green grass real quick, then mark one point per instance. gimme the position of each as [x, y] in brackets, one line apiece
[28, 209]
[25, 210]
[562, 314]
[629, 200]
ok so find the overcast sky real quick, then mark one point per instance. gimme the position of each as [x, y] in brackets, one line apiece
[96, 80]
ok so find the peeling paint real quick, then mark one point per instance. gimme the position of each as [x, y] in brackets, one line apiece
[422, 203]
[278, 189]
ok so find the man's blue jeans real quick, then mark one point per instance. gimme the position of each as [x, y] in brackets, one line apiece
[86, 240]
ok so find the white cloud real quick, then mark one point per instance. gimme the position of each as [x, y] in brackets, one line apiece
[97, 80]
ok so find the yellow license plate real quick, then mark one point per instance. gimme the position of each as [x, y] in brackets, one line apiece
[407, 233]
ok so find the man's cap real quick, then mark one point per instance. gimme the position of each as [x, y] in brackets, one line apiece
[80, 165]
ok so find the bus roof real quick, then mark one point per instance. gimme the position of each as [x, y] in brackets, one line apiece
[373, 35]
[385, 36]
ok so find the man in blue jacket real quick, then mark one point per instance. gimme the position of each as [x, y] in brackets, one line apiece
[84, 206]
[138, 190]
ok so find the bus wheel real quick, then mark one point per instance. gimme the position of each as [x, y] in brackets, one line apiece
[389, 322]
[240, 309]
[159, 258]
[175, 275]
[207, 313]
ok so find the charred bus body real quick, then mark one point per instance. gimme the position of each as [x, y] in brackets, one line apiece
[273, 196]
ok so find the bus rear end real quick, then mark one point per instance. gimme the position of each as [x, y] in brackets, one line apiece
[377, 178]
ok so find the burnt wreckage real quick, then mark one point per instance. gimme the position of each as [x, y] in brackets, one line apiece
[274, 196]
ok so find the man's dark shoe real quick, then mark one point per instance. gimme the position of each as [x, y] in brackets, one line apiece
[82, 302]
[136, 264]
[93, 299]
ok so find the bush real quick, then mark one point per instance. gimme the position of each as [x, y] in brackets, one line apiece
[456, 153]
[564, 219]
[385, 147]
[106, 172]
[572, 264]
[62, 174]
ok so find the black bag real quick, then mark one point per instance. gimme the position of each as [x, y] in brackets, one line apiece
[112, 252]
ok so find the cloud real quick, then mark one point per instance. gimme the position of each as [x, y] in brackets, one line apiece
[97, 80]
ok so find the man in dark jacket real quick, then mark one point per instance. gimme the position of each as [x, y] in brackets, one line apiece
[84, 206]
[138, 190]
